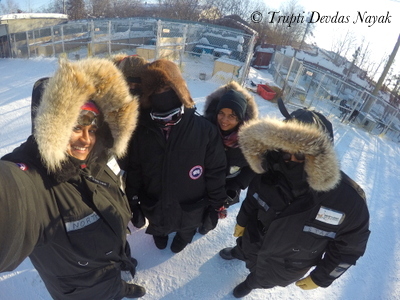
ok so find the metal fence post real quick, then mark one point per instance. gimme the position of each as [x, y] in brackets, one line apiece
[90, 44]
[27, 44]
[34, 41]
[109, 37]
[62, 38]
[52, 41]
[158, 39]
[246, 66]
[185, 28]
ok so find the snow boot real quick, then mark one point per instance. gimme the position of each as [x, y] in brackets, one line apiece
[160, 241]
[134, 291]
[241, 290]
[178, 244]
[202, 230]
[226, 253]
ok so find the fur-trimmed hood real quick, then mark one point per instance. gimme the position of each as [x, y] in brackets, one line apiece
[73, 84]
[268, 134]
[212, 100]
[160, 73]
[130, 65]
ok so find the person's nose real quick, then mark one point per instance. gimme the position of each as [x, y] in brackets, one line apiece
[85, 137]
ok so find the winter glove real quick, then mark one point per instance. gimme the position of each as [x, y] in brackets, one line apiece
[210, 220]
[138, 219]
[306, 283]
[233, 198]
[222, 212]
[239, 231]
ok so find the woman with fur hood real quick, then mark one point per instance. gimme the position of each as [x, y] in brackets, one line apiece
[229, 107]
[61, 203]
[176, 163]
[301, 211]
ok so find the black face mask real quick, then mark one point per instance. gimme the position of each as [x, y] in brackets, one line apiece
[292, 171]
[164, 102]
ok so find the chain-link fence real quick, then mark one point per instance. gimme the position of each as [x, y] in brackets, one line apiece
[224, 53]
[305, 85]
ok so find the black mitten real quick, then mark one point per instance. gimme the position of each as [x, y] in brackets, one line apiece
[233, 197]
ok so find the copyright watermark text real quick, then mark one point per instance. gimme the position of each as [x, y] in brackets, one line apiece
[315, 17]
[256, 17]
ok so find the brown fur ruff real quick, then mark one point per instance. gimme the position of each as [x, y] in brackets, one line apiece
[73, 84]
[160, 73]
[130, 65]
[321, 164]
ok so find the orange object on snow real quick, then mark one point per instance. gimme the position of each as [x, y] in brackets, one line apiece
[265, 91]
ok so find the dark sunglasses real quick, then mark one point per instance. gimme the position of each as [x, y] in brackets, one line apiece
[87, 118]
[171, 117]
[286, 156]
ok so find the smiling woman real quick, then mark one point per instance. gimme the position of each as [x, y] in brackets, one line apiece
[73, 223]
[83, 137]
[82, 141]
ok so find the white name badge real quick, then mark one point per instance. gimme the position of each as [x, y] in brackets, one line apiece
[330, 216]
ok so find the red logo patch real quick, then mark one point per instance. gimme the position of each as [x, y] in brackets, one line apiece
[196, 172]
[22, 166]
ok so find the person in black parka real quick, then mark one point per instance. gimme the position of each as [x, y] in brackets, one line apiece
[176, 164]
[61, 204]
[229, 107]
[301, 211]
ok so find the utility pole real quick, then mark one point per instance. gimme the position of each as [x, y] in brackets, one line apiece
[387, 67]
[378, 85]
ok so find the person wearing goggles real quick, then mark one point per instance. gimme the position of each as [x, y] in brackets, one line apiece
[176, 162]
[169, 118]
[301, 212]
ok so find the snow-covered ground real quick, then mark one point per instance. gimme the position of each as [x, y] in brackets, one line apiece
[198, 273]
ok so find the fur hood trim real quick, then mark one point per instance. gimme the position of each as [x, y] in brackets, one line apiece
[73, 84]
[212, 100]
[130, 65]
[268, 134]
[160, 73]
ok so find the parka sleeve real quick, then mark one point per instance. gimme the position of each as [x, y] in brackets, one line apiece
[248, 209]
[133, 171]
[244, 178]
[347, 247]
[19, 221]
[215, 166]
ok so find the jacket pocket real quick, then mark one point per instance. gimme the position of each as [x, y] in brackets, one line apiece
[314, 238]
[99, 283]
[93, 239]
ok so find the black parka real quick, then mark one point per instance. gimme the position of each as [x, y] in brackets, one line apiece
[70, 218]
[238, 173]
[176, 179]
[326, 225]
[82, 225]
[282, 243]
